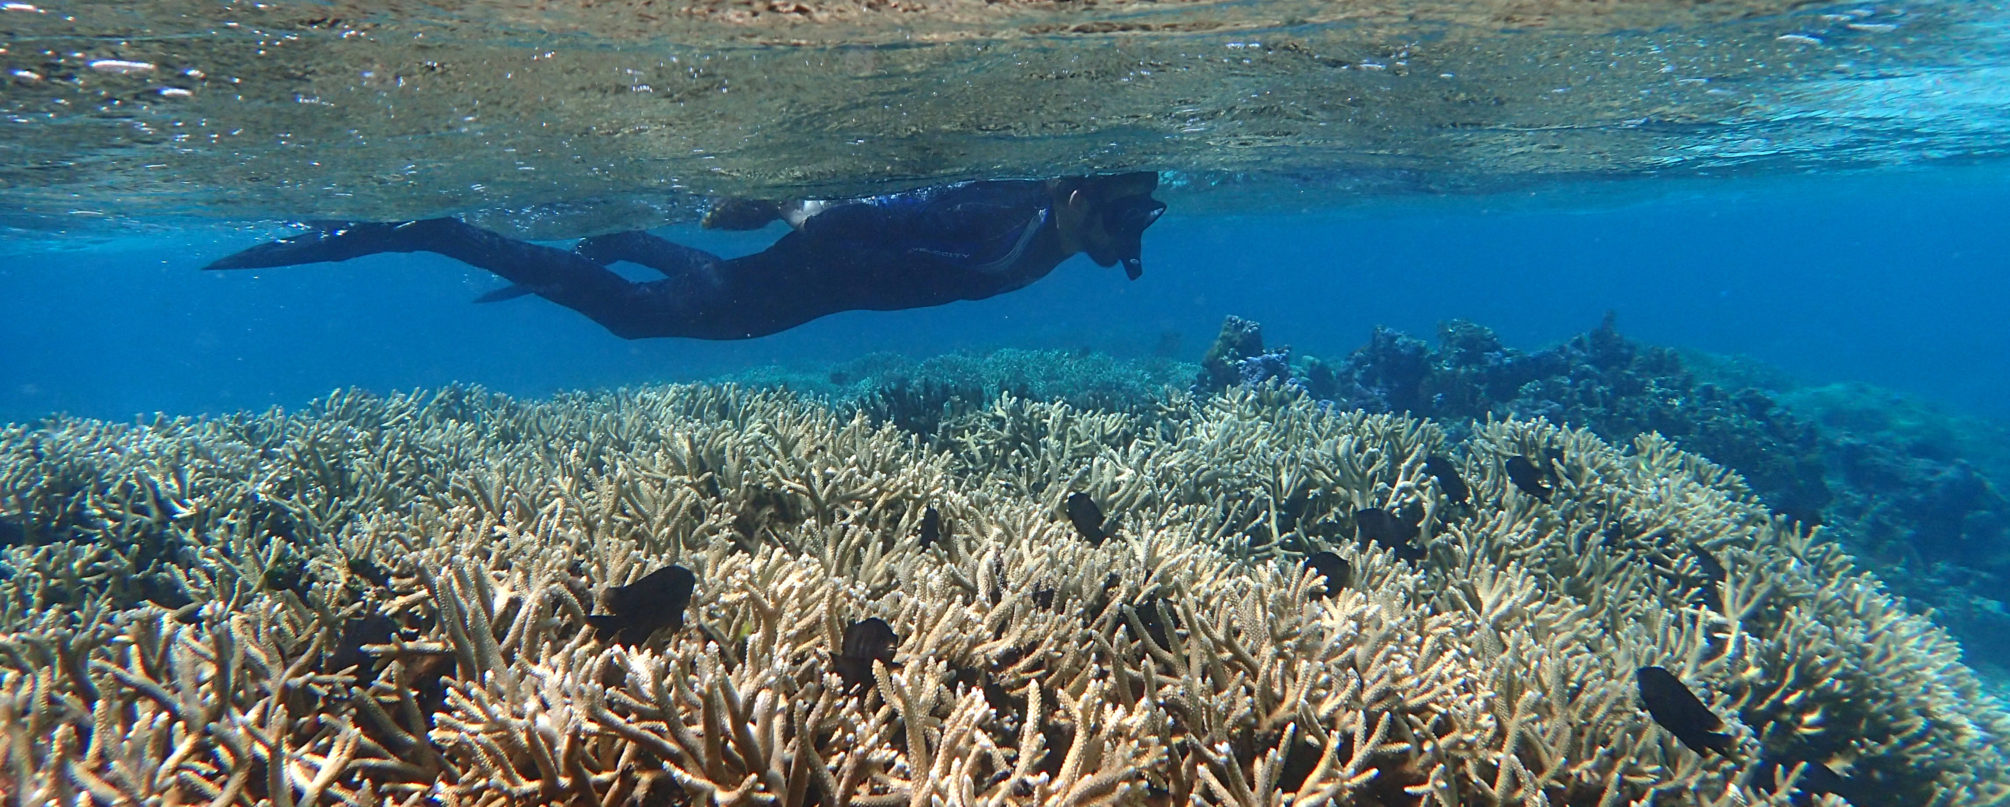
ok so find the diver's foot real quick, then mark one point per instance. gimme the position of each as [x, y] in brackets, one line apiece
[332, 243]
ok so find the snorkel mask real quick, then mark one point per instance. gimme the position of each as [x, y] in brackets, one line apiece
[1125, 220]
[1121, 207]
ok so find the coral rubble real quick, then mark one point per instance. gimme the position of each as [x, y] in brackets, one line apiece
[388, 600]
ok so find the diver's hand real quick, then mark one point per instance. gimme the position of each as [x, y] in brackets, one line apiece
[339, 242]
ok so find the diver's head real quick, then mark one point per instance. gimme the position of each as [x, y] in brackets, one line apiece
[1106, 216]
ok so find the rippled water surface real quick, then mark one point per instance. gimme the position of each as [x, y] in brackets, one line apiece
[563, 118]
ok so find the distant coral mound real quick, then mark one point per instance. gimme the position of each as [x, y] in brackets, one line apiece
[1599, 380]
[1908, 489]
[386, 600]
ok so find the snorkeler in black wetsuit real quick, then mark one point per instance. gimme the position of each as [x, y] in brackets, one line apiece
[926, 247]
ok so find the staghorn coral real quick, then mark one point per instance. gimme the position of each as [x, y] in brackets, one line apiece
[1906, 488]
[386, 602]
[919, 395]
[1598, 380]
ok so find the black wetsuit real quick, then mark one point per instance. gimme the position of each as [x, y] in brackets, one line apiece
[927, 247]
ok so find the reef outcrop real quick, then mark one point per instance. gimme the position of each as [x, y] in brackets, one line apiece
[386, 600]
[1905, 488]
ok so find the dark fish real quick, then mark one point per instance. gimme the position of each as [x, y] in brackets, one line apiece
[1332, 567]
[865, 641]
[1678, 710]
[1709, 593]
[369, 570]
[1532, 480]
[1712, 569]
[1816, 779]
[1293, 510]
[1157, 618]
[1043, 597]
[1390, 532]
[931, 527]
[996, 695]
[1087, 517]
[347, 651]
[641, 608]
[1449, 481]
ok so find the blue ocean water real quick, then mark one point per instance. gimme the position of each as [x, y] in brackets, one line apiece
[1897, 278]
[1806, 198]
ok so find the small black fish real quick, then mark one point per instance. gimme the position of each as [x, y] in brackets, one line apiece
[1293, 510]
[1532, 480]
[1332, 567]
[1816, 779]
[1390, 532]
[1000, 699]
[1712, 569]
[1087, 517]
[641, 608]
[1449, 481]
[931, 527]
[347, 651]
[1094, 609]
[1157, 618]
[368, 570]
[1709, 593]
[865, 641]
[1678, 710]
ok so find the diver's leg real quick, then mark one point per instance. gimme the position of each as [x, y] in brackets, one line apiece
[674, 260]
[325, 244]
[628, 309]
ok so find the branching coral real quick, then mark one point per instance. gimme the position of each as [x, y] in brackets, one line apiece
[386, 601]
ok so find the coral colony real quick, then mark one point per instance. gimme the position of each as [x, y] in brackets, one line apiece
[715, 595]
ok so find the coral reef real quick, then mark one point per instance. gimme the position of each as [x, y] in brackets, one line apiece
[918, 395]
[1600, 381]
[1900, 485]
[386, 600]
[1240, 341]
[1916, 497]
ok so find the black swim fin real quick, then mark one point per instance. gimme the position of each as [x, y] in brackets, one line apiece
[509, 292]
[331, 244]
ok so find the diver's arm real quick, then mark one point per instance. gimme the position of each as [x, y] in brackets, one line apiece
[984, 227]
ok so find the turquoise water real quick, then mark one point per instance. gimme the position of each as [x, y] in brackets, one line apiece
[1892, 277]
[1776, 232]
